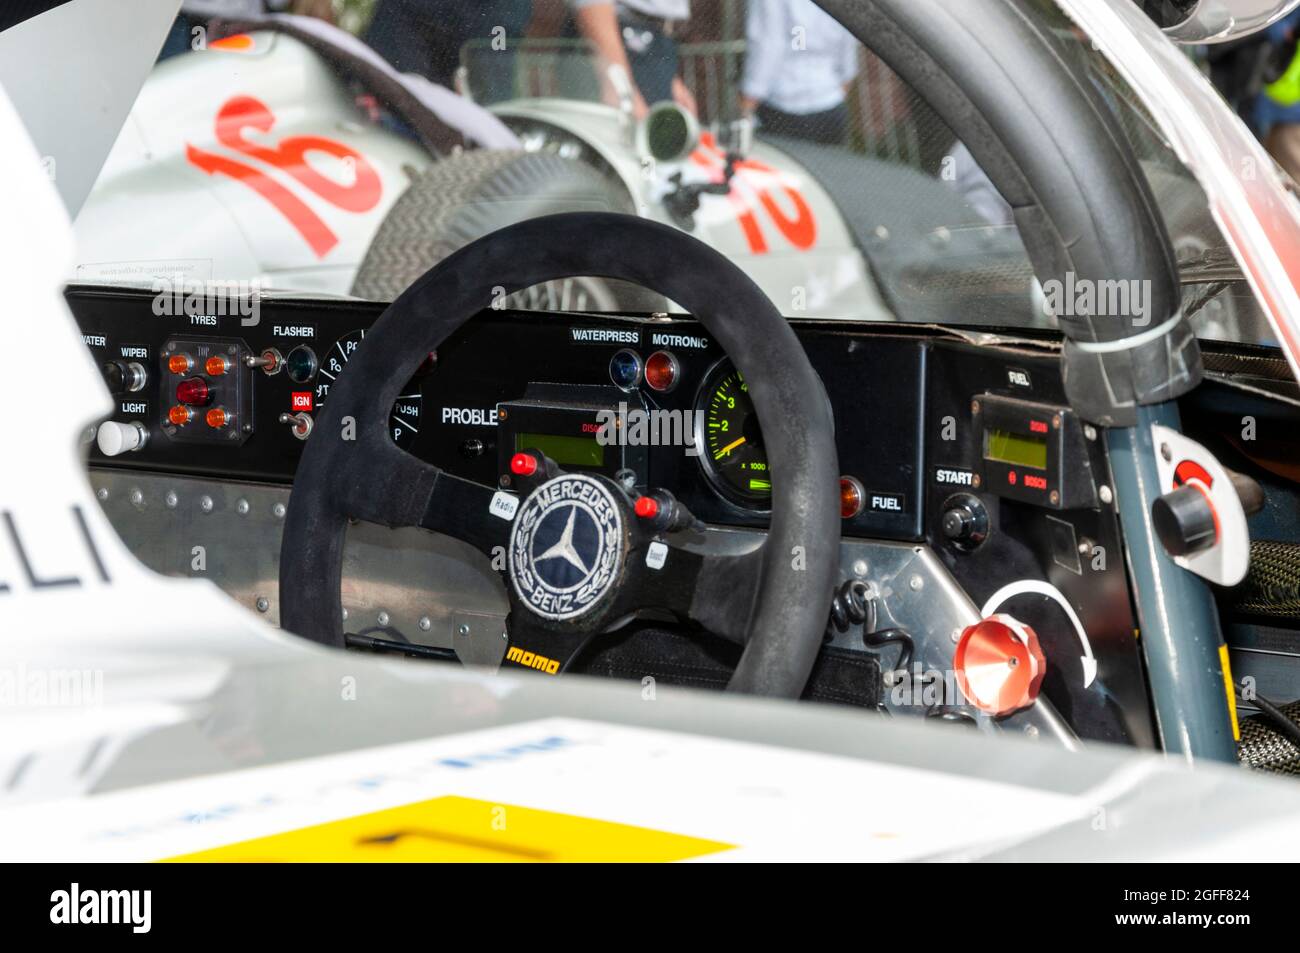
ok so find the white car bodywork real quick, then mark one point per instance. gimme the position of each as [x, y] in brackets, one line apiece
[779, 224]
[223, 213]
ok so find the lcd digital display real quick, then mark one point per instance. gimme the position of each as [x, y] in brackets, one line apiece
[1017, 449]
[566, 451]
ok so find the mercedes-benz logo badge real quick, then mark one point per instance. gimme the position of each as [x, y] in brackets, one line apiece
[566, 547]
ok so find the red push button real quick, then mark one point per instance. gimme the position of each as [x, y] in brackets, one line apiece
[647, 507]
[523, 464]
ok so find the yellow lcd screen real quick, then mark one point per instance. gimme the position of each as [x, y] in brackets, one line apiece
[1016, 449]
[566, 451]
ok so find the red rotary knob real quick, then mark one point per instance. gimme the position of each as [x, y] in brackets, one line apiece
[1000, 665]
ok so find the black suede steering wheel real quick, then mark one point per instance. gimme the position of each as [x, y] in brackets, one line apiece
[773, 600]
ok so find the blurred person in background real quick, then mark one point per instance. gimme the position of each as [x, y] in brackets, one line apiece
[426, 36]
[799, 65]
[639, 35]
[1277, 106]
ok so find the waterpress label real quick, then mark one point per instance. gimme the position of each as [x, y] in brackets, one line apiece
[604, 336]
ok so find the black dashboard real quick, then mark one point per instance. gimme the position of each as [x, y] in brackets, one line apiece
[942, 441]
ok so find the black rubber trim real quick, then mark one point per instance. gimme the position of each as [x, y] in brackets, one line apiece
[14, 12]
[1015, 94]
[804, 536]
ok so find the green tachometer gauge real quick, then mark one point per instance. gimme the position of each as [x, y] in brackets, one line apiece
[730, 441]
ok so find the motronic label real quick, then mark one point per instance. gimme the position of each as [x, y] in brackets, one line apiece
[604, 336]
[954, 476]
[664, 339]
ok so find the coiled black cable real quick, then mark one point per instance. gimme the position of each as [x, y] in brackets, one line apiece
[885, 637]
[851, 605]
[854, 604]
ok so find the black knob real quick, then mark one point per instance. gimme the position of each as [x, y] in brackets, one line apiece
[1184, 521]
[965, 521]
[958, 523]
[123, 377]
[115, 377]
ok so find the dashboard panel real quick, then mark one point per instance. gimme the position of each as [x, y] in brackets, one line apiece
[964, 449]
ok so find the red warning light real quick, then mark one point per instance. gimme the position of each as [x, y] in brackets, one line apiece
[662, 371]
[193, 392]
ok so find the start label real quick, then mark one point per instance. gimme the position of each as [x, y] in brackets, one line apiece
[954, 476]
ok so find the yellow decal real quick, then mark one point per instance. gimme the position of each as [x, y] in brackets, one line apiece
[459, 829]
[1228, 683]
[532, 660]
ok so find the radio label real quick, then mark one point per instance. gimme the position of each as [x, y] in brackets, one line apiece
[504, 505]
